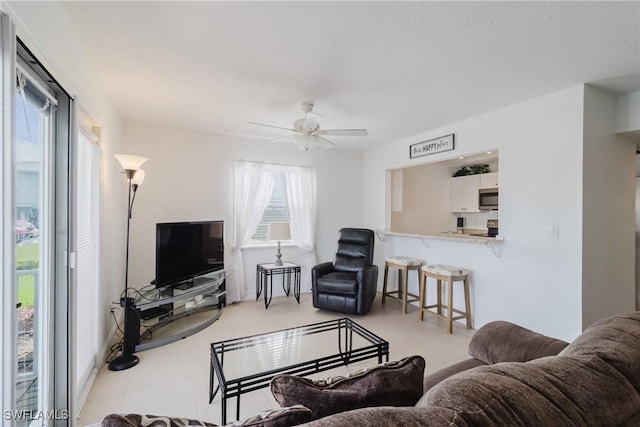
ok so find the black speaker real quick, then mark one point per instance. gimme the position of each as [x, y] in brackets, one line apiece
[460, 222]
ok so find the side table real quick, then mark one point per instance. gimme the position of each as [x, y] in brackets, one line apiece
[264, 279]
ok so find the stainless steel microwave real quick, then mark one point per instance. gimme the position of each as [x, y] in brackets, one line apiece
[488, 199]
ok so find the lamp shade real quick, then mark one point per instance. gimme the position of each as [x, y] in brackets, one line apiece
[138, 177]
[279, 231]
[129, 161]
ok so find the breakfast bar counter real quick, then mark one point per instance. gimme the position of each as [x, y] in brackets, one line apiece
[448, 235]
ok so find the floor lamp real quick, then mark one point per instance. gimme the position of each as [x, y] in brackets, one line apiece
[131, 167]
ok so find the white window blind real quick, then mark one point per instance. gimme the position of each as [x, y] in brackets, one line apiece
[87, 246]
[277, 209]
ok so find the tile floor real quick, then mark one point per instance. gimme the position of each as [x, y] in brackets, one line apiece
[174, 379]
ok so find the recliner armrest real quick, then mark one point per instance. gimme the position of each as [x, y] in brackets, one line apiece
[321, 269]
[367, 274]
[502, 341]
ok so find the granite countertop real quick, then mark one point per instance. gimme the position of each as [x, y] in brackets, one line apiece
[464, 237]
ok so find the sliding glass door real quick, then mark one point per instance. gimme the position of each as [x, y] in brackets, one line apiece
[36, 255]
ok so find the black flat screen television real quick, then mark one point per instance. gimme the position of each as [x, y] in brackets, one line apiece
[185, 250]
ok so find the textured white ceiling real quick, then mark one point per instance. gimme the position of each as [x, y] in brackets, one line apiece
[395, 68]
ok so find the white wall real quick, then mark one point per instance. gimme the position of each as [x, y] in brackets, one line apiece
[608, 251]
[628, 112]
[189, 176]
[537, 280]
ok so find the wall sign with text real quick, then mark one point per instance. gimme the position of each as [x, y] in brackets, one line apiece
[432, 146]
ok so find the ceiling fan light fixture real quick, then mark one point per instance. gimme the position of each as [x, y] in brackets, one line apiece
[304, 142]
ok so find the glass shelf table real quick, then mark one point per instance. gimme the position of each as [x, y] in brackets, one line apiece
[246, 364]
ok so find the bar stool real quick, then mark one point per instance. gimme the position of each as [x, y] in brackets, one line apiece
[449, 274]
[403, 264]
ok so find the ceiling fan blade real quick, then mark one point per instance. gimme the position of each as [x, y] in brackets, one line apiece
[342, 132]
[305, 141]
[324, 142]
[271, 126]
[311, 122]
[288, 138]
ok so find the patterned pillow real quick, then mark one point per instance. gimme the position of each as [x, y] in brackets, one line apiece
[137, 420]
[392, 384]
[282, 417]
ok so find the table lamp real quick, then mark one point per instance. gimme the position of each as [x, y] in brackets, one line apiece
[279, 231]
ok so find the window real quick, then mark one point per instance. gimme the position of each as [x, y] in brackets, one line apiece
[266, 193]
[277, 209]
[87, 243]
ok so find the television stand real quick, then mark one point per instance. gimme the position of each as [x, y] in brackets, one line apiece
[182, 286]
[188, 309]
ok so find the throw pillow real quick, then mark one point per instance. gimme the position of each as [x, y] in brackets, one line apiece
[137, 420]
[392, 384]
[282, 417]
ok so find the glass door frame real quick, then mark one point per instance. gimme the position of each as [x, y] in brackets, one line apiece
[57, 264]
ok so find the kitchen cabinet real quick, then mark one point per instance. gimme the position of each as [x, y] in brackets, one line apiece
[464, 193]
[489, 180]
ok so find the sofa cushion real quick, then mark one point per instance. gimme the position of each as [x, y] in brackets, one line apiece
[282, 417]
[386, 416]
[505, 342]
[616, 340]
[582, 390]
[392, 384]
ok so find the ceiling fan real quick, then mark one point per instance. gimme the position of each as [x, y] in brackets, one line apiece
[308, 133]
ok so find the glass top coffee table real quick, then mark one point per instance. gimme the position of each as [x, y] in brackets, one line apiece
[246, 364]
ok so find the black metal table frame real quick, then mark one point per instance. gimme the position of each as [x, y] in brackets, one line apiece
[345, 355]
[264, 276]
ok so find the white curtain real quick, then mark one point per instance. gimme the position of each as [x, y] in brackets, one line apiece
[301, 198]
[253, 188]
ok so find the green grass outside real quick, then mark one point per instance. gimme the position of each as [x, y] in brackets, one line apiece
[27, 256]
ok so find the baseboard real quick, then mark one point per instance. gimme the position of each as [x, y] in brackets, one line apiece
[103, 352]
[109, 341]
[84, 392]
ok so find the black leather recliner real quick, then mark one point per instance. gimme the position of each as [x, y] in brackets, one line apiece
[349, 284]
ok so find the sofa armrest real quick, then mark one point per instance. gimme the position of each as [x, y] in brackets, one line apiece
[502, 341]
[444, 373]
